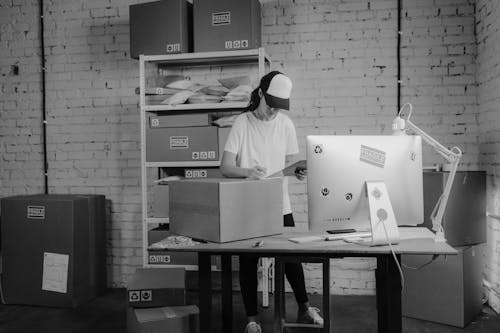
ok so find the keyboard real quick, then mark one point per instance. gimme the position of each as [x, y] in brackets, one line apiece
[331, 237]
[357, 234]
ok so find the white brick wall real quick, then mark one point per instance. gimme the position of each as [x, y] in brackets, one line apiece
[488, 79]
[340, 54]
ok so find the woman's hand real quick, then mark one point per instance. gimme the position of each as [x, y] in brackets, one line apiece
[257, 172]
[300, 173]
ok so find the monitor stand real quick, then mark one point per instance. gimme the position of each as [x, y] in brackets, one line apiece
[381, 214]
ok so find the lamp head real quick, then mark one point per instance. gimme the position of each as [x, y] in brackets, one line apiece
[398, 126]
[399, 123]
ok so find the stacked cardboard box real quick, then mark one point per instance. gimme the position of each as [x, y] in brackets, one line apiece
[157, 300]
[53, 249]
[161, 27]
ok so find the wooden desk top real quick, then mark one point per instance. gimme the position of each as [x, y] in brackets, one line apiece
[279, 244]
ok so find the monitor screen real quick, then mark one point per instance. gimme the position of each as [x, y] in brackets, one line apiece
[338, 168]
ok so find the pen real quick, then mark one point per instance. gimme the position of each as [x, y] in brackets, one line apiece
[258, 244]
[199, 240]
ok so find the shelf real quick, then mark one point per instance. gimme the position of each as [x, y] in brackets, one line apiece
[213, 64]
[180, 164]
[197, 107]
[157, 220]
[206, 58]
[187, 267]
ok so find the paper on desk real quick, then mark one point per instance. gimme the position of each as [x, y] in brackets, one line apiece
[415, 232]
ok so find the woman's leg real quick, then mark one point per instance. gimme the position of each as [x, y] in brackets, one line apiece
[295, 275]
[248, 283]
[294, 271]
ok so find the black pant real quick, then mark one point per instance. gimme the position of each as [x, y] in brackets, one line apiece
[248, 277]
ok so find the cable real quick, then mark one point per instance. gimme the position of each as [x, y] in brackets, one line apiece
[394, 256]
[434, 257]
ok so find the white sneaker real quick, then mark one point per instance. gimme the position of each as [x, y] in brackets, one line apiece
[253, 327]
[311, 316]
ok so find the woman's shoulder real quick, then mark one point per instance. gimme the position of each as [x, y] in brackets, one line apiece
[285, 119]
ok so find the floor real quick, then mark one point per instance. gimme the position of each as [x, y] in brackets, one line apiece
[107, 314]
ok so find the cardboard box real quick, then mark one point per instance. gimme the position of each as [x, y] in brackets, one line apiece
[223, 25]
[150, 287]
[158, 206]
[224, 210]
[181, 319]
[180, 120]
[200, 143]
[447, 290]
[202, 173]
[464, 220]
[161, 27]
[167, 257]
[47, 236]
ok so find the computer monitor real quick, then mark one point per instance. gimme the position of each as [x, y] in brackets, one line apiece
[338, 168]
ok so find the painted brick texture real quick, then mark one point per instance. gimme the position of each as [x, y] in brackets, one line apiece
[488, 80]
[341, 56]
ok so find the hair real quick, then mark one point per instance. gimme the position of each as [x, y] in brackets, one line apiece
[254, 100]
[265, 81]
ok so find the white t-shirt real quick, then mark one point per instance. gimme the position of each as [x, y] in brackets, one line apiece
[264, 143]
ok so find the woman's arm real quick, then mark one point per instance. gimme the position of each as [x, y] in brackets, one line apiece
[229, 169]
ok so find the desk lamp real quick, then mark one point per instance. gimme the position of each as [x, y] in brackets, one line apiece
[400, 125]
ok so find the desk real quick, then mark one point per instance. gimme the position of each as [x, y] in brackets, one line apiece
[388, 284]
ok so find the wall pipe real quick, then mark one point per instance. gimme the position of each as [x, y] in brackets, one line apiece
[44, 102]
[398, 56]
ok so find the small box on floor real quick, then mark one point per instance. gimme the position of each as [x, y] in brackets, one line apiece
[178, 319]
[224, 210]
[152, 287]
[223, 25]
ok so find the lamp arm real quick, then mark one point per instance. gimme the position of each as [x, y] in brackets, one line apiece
[452, 156]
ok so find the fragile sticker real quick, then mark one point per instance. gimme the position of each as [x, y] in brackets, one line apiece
[222, 18]
[36, 212]
[372, 156]
[159, 259]
[179, 142]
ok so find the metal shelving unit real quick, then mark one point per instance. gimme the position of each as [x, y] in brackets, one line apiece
[252, 57]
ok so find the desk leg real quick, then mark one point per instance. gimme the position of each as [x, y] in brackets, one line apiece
[227, 294]
[327, 326]
[205, 282]
[388, 287]
[279, 295]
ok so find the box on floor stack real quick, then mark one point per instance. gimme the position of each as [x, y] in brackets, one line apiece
[53, 249]
[157, 302]
[448, 290]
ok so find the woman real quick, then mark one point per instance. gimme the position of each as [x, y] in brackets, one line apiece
[259, 145]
